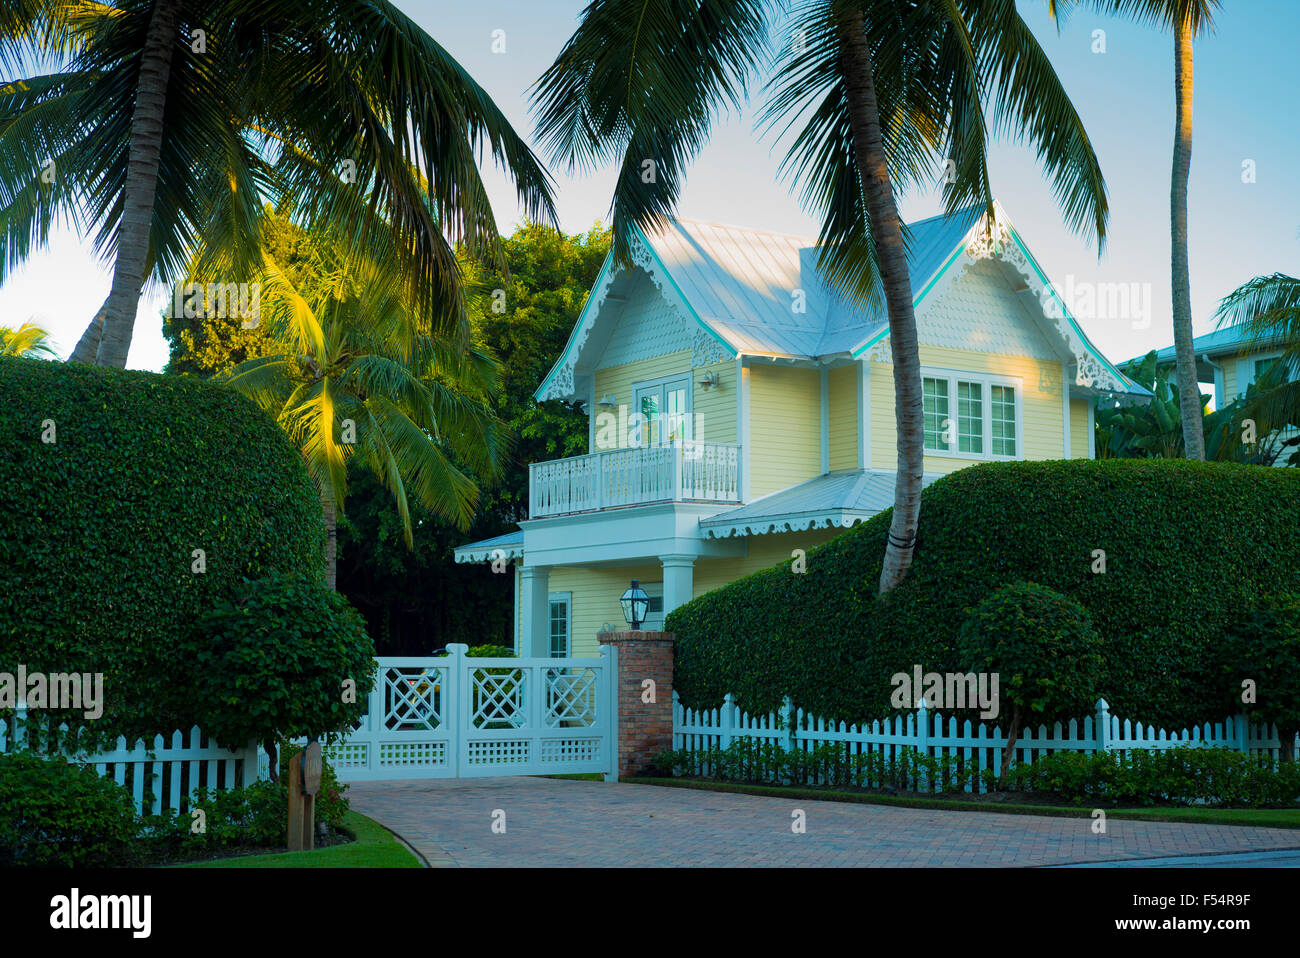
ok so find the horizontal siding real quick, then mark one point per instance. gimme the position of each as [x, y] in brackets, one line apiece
[594, 598]
[620, 382]
[1042, 427]
[784, 427]
[715, 408]
[1079, 428]
[843, 431]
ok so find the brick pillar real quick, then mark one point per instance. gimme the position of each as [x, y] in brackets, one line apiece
[644, 728]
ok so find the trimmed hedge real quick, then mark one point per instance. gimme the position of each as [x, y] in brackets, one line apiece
[97, 529]
[1189, 548]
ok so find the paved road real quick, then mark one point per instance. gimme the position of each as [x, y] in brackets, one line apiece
[559, 823]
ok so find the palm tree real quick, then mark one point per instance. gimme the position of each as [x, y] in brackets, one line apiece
[162, 121]
[1268, 308]
[358, 375]
[1187, 19]
[27, 340]
[886, 88]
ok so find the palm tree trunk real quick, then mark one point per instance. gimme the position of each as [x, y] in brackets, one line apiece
[331, 538]
[88, 346]
[1189, 390]
[891, 254]
[129, 270]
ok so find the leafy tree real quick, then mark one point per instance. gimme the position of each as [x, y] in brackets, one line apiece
[885, 89]
[163, 121]
[1187, 19]
[276, 659]
[27, 340]
[1265, 649]
[1045, 651]
[356, 374]
[417, 599]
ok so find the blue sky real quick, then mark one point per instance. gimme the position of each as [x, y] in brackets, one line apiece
[1247, 75]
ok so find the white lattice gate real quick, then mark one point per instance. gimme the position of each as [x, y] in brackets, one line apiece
[455, 716]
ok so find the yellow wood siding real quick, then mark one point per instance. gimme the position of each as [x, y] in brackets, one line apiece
[1079, 428]
[843, 431]
[1041, 429]
[1229, 364]
[715, 409]
[784, 427]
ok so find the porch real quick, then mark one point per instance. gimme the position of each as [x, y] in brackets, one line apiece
[681, 471]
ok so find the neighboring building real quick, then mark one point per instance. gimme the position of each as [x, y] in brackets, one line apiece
[740, 410]
[1230, 359]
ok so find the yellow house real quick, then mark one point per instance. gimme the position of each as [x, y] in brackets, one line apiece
[740, 410]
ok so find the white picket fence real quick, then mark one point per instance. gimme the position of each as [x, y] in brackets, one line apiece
[166, 772]
[975, 744]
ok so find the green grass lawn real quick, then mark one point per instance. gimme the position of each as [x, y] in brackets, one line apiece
[1259, 817]
[375, 847]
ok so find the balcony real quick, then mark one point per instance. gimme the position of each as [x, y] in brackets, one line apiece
[685, 471]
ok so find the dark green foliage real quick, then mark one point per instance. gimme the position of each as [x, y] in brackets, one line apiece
[56, 814]
[274, 659]
[98, 529]
[1264, 647]
[1189, 546]
[1177, 776]
[830, 764]
[1043, 648]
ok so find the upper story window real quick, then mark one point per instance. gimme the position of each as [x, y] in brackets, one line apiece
[665, 409]
[970, 416]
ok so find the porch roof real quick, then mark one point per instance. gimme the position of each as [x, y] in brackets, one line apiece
[834, 500]
[511, 544]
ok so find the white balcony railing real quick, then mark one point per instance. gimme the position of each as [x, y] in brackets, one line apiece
[682, 472]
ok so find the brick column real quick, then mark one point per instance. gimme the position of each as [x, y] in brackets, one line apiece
[644, 728]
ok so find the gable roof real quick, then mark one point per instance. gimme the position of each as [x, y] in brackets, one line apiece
[738, 290]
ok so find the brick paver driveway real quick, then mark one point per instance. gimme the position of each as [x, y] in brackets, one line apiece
[556, 823]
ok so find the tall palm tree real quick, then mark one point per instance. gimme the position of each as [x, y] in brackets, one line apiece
[27, 340]
[1187, 19]
[158, 122]
[1268, 308]
[885, 88]
[358, 375]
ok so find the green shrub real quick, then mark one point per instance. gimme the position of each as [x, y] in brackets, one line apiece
[98, 527]
[1264, 648]
[1044, 650]
[489, 651]
[1178, 776]
[57, 814]
[274, 660]
[1188, 546]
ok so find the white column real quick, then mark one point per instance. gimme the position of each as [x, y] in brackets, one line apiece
[535, 610]
[679, 580]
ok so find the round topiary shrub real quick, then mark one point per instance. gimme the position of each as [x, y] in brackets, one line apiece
[1044, 650]
[130, 502]
[276, 660]
[56, 814]
[1187, 546]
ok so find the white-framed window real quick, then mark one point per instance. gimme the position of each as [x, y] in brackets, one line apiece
[971, 415]
[665, 409]
[561, 620]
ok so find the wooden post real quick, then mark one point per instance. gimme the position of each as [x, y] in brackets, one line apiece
[304, 783]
